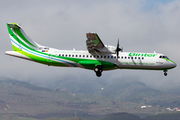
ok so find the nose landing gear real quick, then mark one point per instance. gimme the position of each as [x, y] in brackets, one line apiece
[98, 70]
[165, 72]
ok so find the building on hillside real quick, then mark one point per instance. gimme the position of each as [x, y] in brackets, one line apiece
[143, 107]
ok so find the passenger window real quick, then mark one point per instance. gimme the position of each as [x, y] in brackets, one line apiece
[111, 56]
[79, 55]
[142, 57]
[62, 54]
[135, 57]
[94, 56]
[122, 57]
[128, 57]
[138, 57]
[107, 56]
[90, 56]
[72, 55]
[66, 55]
[131, 57]
[97, 56]
[114, 56]
[101, 56]
[125, 57]
[87, 56]
[104, 56]
[118, 57]
[76, 55]
[69, 55]
[59, 54]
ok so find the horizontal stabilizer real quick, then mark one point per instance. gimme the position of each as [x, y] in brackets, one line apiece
[17, 54]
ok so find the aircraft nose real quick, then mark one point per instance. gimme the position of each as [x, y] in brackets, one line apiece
[173, 64]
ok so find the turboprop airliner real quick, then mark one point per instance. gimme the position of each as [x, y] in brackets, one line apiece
[98, 57]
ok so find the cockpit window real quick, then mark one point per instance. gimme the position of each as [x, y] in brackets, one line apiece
[163, 57]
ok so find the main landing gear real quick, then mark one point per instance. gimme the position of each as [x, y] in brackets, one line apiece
[98, 70]
[165, 72]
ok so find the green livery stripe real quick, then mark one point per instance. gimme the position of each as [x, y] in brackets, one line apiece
[18, 31]
[14, 36]
[9, 30]
[106, 65]
[15, 48]
[17, 39]
[23, 44]
[96, 41]
[14, 23]
[92, 63]
[145, 68]
[27, 49]
[41, 59]
[38, 58]
[170, 60]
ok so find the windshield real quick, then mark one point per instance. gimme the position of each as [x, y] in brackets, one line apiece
[161, 56]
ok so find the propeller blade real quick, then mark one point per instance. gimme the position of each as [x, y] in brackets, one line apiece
[118, 49]
[117, 54]
[118, 44]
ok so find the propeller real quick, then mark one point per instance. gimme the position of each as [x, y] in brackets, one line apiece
[118, 49]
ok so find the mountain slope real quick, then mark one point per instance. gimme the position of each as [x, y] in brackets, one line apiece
[130, 91]
[23, 99]
[120, 116]
[126, 90]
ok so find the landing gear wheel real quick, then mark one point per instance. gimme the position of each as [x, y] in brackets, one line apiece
[98, 70]
[165, 72]
[98, 74]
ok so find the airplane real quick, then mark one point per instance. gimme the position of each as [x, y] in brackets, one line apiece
[98, 57]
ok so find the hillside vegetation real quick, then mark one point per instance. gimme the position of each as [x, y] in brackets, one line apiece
[21, 100]
[120, 116]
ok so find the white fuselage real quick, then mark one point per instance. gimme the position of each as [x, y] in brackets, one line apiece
[126, 60]
[99, 57]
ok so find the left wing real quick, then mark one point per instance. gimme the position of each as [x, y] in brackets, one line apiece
[93, 42]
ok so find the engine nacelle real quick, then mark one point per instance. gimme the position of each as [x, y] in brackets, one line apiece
[110, 48]
[107, 49]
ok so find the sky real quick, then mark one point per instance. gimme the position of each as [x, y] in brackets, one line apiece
[140, 25]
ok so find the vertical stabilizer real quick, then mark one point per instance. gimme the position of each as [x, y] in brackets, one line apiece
[19, 39]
